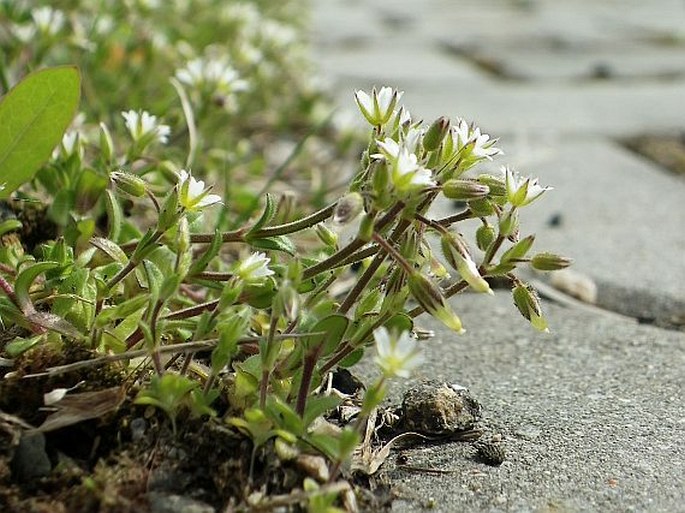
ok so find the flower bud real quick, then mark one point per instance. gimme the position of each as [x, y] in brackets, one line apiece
[129, 183]
[481, 207]
[528, 304]
[496, 185]
[431, 299]
[106, 144]
[509, 223]
[458, 256]
[169, 211]
[436, 133]
[326, 235]
[366, 228]
[485, 235]
[348, 208]
[464, 190]
[550, 262]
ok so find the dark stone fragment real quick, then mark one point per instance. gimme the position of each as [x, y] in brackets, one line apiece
[491, 452]
[439, 409]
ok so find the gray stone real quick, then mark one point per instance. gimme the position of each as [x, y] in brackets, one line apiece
[170, 503]
[30, 461]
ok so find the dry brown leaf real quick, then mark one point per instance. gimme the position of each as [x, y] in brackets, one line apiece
[75, 408]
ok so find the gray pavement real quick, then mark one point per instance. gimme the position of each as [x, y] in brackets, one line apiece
[592, 413]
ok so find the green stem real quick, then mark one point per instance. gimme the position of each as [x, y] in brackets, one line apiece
[352, 247]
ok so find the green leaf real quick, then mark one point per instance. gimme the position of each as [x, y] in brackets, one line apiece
[21, 345]
[276, 243]
[213, 250]
[10, 225]
[317, 406]
[399, 322]
[352, 358]
[332, 329]
[24, 281]
[111, 249]
[115, 216]
[33, 118]
[266, 217]
[518, 250]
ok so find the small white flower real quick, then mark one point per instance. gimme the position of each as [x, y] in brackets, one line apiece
[215, 74]
[405, 171]
[24, 33]
[144, 127]
[522, 191]
[407, 167]
[72, 142]
[255, 268]
[378, 107]
[48, 20]
[192, 193]
[397, 356]
[474, 144]
[412, 139]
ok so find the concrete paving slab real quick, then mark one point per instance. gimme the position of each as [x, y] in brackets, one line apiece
[591, 415]
[598, 109]
[628, 62]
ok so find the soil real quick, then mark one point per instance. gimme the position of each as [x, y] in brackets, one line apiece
[668, 151]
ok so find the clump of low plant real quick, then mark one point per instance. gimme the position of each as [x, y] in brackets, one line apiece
[235, 303]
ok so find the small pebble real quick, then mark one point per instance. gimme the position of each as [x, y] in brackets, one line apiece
[491, 452]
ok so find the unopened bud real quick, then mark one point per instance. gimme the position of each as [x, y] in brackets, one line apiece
[106, 144]
[485, 235]
[430, 298]
[326, 235]
[348, 208]
[169, 211]
[509, 223]
[496, 185]
[481, 207]
[528, 304]
[458, 256]
[436, 133]
[366, 228]
[464, 190]
[550, 262]
[128, 183]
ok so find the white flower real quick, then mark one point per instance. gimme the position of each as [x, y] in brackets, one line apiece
[472, 142]
[215, 73]
[378, 107]
[144, 127]
[412, 139]
[522, 191]
[48, 20]
[192, 193]
[405, 171]
[254, 268]
[72, 142]
[397, 356]
[24, 33]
